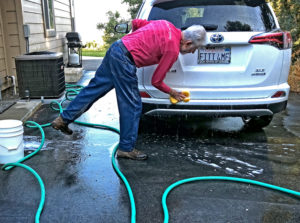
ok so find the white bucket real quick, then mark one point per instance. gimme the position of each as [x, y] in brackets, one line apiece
[11, 141]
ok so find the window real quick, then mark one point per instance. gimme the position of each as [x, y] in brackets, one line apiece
[49, 19]
[224, 15]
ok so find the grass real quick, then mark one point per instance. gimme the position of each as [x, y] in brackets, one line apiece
[93, 53]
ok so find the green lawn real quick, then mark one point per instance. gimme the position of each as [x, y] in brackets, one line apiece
[93, 53]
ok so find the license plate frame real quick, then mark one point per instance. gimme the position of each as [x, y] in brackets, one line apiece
[214, 55]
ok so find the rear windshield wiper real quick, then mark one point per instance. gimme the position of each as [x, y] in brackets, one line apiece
[206, 26]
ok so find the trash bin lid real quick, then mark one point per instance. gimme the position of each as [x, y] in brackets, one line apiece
[41, 55]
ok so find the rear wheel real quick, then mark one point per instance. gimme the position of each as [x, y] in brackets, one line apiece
[257, 122]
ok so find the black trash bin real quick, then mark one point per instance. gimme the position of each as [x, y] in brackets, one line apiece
[40, 74]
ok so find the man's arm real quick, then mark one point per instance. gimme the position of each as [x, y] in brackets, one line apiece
[165, 63]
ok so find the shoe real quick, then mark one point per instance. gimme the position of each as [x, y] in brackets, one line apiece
[59, 124]
[134, 155]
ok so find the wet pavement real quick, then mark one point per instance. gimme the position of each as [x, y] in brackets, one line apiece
[81, 185]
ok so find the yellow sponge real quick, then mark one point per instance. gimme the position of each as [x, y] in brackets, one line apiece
[186, 99]
[173, 100]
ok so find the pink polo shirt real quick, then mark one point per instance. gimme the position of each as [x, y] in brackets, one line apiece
[154, 42]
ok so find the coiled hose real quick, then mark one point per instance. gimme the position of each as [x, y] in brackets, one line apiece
[73, 90]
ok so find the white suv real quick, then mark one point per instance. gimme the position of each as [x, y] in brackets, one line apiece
[242, 71]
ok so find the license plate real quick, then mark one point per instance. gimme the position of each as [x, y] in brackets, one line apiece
[214, 55]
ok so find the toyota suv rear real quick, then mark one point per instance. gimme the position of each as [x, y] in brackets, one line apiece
[242, 71]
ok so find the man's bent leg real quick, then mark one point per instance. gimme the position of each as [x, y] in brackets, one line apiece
[97, 88]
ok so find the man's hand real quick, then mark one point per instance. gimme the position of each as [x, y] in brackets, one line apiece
[179, 96]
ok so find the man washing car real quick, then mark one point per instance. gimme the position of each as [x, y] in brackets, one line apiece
[151, 42]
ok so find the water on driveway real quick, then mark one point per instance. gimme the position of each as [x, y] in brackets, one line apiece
[81, 185]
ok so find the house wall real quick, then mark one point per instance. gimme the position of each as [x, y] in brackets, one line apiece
[33, 16]
[3, 67]
[11, 39]
[13, 15]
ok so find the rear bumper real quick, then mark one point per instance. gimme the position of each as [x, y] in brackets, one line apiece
[233, 110]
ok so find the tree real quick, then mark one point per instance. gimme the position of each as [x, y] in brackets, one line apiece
[134, 6]
[110, 35]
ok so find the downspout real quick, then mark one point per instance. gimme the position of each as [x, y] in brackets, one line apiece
[13, 80]
[0, 90]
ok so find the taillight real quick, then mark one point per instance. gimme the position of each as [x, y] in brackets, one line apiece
[279, 94]
[282, 40]
[144, 94]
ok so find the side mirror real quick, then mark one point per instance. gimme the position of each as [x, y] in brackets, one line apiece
[122, 28]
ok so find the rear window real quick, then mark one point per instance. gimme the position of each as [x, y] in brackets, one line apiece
[217, 15]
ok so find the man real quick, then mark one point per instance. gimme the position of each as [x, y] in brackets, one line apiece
[151, 42]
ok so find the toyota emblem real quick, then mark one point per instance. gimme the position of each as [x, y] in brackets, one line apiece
[217, 38]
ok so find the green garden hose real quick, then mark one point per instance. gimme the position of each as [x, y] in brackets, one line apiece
[75, 89]
[42, 186]
[218, 178]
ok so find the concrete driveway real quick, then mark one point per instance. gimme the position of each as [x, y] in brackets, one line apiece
[81, 185]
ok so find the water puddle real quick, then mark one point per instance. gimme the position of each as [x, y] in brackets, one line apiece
[222, 160]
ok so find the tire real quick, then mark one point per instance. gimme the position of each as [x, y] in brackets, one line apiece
[257, 122]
